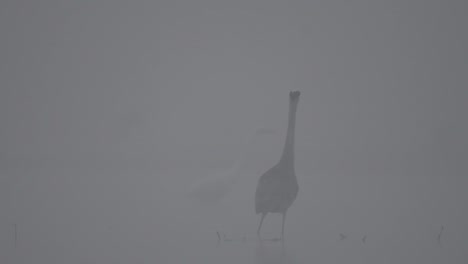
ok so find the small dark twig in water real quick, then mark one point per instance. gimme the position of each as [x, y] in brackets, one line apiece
[439, 236]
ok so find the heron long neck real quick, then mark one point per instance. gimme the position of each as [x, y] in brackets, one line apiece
[287, 157]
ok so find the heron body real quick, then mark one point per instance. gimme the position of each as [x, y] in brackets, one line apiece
[277, 188]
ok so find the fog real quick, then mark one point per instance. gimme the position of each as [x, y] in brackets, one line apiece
[111, 110]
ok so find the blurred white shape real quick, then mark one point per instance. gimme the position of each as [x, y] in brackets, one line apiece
[213, 188]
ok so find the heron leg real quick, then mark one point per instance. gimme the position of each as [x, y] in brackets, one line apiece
[260, 225]
[282, 226]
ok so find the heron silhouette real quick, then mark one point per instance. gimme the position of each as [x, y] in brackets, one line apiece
[277, 188]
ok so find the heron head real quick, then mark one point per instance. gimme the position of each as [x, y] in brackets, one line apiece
[294, 96]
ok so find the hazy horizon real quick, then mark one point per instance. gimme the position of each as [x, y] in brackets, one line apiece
[111, 109]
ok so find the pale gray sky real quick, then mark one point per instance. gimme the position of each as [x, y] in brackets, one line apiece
[171, 84]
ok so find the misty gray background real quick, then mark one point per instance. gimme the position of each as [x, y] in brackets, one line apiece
[110, 109]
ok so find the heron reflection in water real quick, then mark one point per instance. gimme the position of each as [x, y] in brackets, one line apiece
[272, 253]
